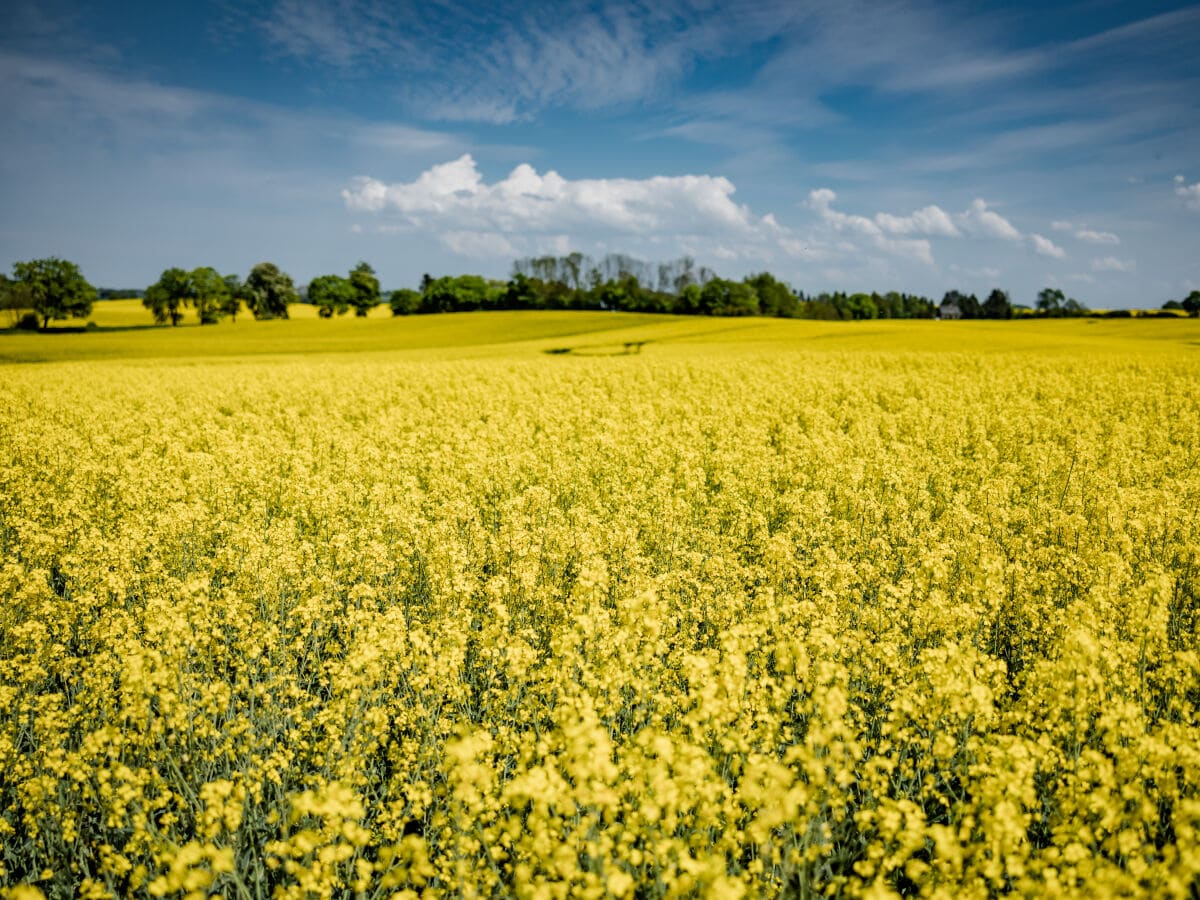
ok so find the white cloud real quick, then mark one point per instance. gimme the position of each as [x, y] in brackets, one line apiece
[1112, 264]
[527, 207]
[1189, 192]
[930, 220]
[920, 250]
[1059, 225]
[455, 193]
[820, 200]
[978, 219]
[1046, 247]
[1097, 237]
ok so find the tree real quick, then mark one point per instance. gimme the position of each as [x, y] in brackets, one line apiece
[167, 297]
[269, 291]
[235, 293]
[774, 297]
[366, 289]
[1192, 303]
[16, 296]
[1050, 302]
[404, 301]
[331, 294]
[461, 293]
[209, 292]
[968, 304]
[997, 305]
[861, 306]
[54, 289]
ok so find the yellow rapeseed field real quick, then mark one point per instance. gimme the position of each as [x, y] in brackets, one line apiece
[766, 609]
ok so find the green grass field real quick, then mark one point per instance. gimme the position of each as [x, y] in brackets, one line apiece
[123, 330]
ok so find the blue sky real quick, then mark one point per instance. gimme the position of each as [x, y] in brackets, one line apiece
[856, 146]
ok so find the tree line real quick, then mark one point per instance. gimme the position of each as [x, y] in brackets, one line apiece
[44, 290]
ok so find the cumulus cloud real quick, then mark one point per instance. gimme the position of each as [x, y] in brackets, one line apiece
[1112, 264]
[1046, 247]
[930, 220]
[1189, 192]
[1097, 237]
[455, 193]
[978, 219]
[879, 228]
[476, 218]
[822, 199]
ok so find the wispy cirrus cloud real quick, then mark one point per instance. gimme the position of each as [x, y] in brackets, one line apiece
[1112, 264]
[342, 34]
[54, 95]
[499, 64]
[1085, 233]
[1097, 237]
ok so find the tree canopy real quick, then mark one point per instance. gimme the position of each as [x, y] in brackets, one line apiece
[168, 296]
[365, 287]
[269, 292]
[331, 295]
[209, 294]
[54, 289]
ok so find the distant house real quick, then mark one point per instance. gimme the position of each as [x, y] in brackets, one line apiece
[949, 311]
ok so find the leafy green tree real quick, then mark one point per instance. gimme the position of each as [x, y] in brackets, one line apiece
[774, 297]
[14, 297]
[997, 305]
[269, 291]
[235, 293]
[168, 296]
[1192, 303]
[862, 306]
[366, 289]
[209, 292]
[461, 293]
[1074, 308]
[404, 301]
[719, 297]
[54, 289]
[332, 295]
[1050, 302]
[690, 301]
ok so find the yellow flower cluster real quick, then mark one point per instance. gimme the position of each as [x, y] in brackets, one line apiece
[691, 623]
